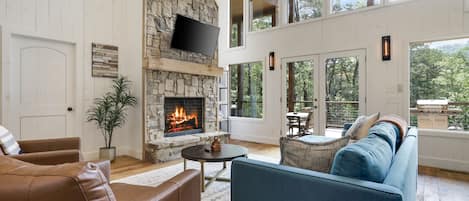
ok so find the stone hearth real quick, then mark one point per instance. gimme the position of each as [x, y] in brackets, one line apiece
[170, 148]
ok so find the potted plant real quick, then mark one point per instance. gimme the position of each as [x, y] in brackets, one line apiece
[109, 112]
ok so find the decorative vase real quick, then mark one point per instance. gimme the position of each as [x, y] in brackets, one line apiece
[216, 145]
[107, 153]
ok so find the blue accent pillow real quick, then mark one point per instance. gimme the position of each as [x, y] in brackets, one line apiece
[368, 159]
[387, 131]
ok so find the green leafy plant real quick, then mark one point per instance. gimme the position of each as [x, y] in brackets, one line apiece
[110, 111]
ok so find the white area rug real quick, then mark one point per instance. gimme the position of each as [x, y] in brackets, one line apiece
[217, 191]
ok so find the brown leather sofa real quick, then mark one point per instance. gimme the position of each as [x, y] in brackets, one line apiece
[21, 181]
[50, 151]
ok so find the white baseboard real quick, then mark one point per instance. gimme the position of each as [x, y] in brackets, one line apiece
[257, 139]
[121, 151]
[443, 163]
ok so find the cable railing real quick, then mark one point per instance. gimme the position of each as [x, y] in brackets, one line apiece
[341, 112]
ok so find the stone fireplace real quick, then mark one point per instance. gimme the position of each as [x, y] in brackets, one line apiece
[181, 110]
[183, 116]
[181, 88]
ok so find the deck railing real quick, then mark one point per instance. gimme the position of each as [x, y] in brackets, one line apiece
[338, 112]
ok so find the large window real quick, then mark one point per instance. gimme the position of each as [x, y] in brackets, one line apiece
[246, 93]
[236, 23]
[299, 10]
[439, 96]
[348, 5]
[263, 14]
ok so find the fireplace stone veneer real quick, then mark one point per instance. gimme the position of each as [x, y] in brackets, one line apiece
[161, 85]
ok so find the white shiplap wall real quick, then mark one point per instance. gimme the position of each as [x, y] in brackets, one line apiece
[387, 82]
[81, 22]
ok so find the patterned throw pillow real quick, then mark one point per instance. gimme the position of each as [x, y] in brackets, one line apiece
[314, 154]
[359, 129]
[8, 142]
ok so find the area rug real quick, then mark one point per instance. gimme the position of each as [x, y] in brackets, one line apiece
[217, 191]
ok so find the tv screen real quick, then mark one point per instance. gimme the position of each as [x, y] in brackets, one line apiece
[194, 36]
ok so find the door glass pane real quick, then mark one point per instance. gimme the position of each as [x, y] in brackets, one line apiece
[300, 96]
[263, 14]
[342, 91]
[236, 23]
[300, 10]
[246, 93]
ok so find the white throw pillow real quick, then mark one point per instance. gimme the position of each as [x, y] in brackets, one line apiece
[360, 127]
[8, 142]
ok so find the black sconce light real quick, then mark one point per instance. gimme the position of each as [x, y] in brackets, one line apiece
[386, 48]
[272, 61]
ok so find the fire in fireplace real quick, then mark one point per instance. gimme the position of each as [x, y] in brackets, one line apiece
[183, 116]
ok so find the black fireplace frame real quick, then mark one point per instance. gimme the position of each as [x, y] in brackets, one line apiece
[186, 132]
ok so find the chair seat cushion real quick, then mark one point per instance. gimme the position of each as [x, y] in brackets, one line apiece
[368, 159]
[312, 152]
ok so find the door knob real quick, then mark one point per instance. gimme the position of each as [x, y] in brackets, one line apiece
[70, 109]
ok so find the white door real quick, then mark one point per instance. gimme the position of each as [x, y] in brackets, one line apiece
[41, 88]
[300, 90]
[342, 88]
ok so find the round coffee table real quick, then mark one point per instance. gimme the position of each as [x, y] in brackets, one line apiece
[202, 154]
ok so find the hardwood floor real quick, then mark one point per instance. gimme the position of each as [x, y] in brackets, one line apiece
[433, 184]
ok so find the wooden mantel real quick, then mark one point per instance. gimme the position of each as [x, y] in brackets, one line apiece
[173, 65]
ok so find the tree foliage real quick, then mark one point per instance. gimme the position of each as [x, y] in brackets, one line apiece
[246, 90]
[306, 9]
[437, 73]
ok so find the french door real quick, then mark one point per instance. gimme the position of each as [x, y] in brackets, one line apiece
[331, 87]
[300, 91]
[342, 90]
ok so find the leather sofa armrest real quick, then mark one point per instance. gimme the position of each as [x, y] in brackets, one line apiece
[183, 187]
[50, 157]
[188, 184]
[32, 146]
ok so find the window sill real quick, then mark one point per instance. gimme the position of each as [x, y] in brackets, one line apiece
[245, 118]
[444, 133]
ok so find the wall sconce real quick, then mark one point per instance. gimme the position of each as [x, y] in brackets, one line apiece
[386, 48]
[272, 61]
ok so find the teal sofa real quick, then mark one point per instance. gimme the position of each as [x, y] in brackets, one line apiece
[260, 181]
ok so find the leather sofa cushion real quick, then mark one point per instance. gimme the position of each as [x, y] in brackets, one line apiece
[71, 182]
[368, 159]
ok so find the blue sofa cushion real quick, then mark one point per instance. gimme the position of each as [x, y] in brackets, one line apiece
[368, 159]
[387, 131]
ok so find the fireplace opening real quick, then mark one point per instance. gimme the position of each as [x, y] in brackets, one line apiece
[183, 116]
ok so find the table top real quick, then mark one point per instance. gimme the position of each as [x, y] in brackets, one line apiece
[298, 114]
[228, 153]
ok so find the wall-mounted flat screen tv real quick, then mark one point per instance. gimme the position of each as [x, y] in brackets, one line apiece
[194, 36]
